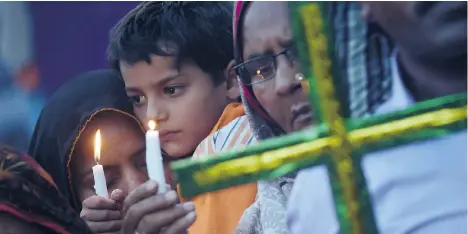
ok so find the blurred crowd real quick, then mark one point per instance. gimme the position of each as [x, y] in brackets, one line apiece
[34, 38]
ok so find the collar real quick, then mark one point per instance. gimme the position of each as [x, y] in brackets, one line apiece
[400, 95]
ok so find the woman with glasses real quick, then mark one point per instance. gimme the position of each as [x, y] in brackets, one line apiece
[275, 101]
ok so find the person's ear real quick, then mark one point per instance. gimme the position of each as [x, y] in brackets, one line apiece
[232, 85]
[366, 11]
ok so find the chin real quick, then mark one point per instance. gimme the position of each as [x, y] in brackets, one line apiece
[175, 152]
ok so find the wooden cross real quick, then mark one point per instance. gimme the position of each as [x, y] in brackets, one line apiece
[336, 142]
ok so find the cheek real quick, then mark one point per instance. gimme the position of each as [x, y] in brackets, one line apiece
[140, 113]
[195, 114]
[261, 94]
[81, 158]
[267, 98]
[84, 192]
[276, 106]
[131, 179]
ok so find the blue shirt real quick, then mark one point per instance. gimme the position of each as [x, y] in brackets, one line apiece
[419, 188]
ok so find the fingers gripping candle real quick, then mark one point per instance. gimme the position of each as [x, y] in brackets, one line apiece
[154, 160]
[100, 185]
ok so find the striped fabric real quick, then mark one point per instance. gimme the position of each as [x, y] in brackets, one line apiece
[220, 211]
[236, 134]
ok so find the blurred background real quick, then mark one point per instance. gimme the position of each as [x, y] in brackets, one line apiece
[43, 44]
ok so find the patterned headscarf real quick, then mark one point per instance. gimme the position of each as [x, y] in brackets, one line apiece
[28, 193]
[363, 51]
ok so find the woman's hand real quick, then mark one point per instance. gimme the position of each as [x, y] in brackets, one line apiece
[144, 211]
[103, 215]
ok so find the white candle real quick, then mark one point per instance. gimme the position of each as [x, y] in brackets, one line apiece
[100, 185]
[154, 160]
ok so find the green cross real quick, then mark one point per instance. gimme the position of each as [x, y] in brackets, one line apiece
[336, 142]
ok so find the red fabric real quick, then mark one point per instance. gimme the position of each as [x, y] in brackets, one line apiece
[28, 193]
[248, 93]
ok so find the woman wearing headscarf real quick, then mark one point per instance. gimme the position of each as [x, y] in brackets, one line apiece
[62, 144]
[66, 115]
[30, 201]
[267, 67]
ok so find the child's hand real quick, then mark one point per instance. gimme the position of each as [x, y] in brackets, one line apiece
[103, 215]
[144, 211]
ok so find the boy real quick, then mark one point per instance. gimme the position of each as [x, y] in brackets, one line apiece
[175, 59]
[416, 188]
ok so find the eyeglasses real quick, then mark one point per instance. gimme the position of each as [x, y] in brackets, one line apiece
[261, 69]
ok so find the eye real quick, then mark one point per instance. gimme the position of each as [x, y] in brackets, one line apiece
[112, 182]
[262, 73]
[173, 90]
[141, 164]
[143, 167]
[138, 99]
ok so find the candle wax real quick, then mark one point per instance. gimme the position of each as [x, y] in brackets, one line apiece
[154, 160]
[100, 185]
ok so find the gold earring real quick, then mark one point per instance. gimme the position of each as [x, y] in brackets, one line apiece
[304, 82]
[299, 76]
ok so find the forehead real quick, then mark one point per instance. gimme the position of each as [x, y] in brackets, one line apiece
[266, 13]
[113, 125]
[156, 65]
[266, 22]
[118, 135]
[166, 64]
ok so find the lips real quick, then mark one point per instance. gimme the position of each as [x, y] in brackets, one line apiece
[168, 135]
[302, 116]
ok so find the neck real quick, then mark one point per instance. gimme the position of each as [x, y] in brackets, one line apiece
[426, 81]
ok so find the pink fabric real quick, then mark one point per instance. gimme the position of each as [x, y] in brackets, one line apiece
[237, 9]
[251, 99]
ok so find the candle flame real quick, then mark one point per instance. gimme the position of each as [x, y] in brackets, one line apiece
[152, 124]
[97, 146]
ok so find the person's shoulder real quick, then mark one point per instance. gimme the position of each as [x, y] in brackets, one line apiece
[235, 134]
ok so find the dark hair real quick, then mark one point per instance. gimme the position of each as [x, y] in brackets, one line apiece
[200, 31]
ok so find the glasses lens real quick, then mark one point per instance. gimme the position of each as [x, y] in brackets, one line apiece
[260, 69]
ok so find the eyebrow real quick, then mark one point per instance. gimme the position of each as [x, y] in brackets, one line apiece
[162, 81]
[285, 44]
[256, 56]
[139, 151]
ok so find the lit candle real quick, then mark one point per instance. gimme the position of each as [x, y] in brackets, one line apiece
[100, 185]
[154, 160]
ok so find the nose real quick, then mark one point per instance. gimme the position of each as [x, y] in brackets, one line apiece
[156, 111]
[285, 81]
[135, 179]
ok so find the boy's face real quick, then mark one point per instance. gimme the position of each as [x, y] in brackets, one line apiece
[122, 155]
[184, 101]
[267, 32]
[432, 31]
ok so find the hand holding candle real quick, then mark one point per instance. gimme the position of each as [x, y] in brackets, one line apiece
[100, 185]
[154, 160]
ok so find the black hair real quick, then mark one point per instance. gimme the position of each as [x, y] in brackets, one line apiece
[200, 31]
